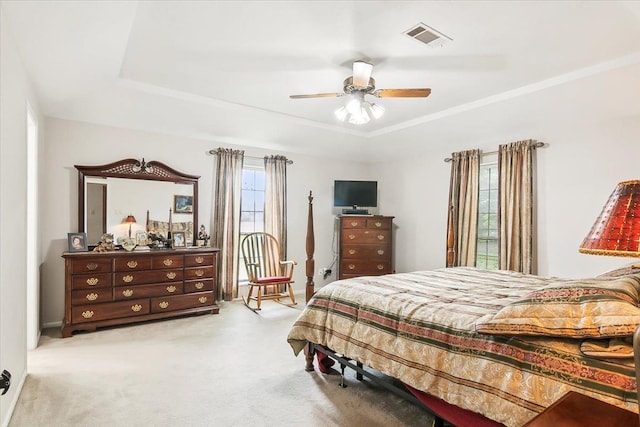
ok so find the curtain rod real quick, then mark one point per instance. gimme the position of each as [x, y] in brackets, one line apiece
[537, 145]
[215, 152]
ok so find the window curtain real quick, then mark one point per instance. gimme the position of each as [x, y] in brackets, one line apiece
[275, 203]
[516, 168]
[226, 219]
[462, 224]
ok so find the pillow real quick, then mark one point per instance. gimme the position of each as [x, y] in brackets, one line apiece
[589, 308]
[633, 268]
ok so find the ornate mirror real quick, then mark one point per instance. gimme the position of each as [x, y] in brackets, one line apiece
[121, 197]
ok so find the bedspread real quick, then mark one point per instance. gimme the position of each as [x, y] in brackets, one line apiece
[419, 328]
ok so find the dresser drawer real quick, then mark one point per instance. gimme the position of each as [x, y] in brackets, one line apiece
[362, 267]
[354, 223]
[142, 291]
[198, 273]
[179, 302]
[91, 265]
[132, 278]
[91, 296]
[368, 252]
[132, 264]
[365, 236]
[90, 281]
[111, 310]
[379, 223]
[167, 261]
[198, 285]
[196, 260]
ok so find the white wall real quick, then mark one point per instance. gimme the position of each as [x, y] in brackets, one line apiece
[71, 143]
[16, 93]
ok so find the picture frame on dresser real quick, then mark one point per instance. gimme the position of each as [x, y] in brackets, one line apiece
[178, 240]
[77, 242]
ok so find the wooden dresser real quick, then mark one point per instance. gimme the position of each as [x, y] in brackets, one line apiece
[365, 245]
[113, 288]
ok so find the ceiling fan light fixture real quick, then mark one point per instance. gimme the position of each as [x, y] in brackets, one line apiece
[341, 113]
[376, 110]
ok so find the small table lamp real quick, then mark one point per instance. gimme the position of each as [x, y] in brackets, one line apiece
[616, 232]
[130, 219]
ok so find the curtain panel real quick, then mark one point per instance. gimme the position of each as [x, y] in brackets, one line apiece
[275, 204]
[462, 224]
[226, 219]
[516, 171]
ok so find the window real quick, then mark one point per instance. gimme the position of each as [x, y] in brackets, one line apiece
[487, 252]
[251, 207]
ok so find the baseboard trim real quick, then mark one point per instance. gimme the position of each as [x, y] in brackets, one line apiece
[52, 324]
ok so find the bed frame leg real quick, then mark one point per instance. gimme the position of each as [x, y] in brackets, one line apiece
[308, 354]
[342, 384]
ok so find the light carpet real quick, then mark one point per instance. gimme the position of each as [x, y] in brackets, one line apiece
[231, 369]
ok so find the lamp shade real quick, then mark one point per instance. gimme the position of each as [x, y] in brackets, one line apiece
[616, 231]
[130, 219]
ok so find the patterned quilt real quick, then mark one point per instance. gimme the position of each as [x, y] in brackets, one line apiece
[420, 328]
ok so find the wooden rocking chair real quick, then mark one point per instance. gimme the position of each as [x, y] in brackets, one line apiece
[269, 277]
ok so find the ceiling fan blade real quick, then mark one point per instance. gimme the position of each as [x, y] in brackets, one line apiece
[402, 93]
[317, 95]
[361, 74]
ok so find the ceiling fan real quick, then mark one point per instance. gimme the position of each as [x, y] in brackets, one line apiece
[359, 111]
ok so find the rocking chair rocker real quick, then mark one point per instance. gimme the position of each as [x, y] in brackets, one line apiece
[269, 277]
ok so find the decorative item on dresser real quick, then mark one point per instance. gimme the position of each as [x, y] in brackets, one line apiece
[365, 245]
[114, 288]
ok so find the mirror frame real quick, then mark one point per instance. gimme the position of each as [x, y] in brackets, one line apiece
[135, 169]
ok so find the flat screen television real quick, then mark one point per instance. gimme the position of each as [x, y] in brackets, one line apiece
[355, 194]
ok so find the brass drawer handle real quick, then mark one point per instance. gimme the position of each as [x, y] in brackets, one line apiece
[127, 292]
[128, 278]
[92, 266]
[380, 236]
[171, 289]
[87, 314]
[200, 260]
[354, 223]
[136, 308]
[167, 262]
[352, 236]
[199, 285]
[92, 296]
[163, 304]
[132, 264]
[171, 275]
[352, 251]
[352, 266]
[202, 299]
[380, 267]
[92, 281]
[199, 273]
[380, 252]
[378, 224]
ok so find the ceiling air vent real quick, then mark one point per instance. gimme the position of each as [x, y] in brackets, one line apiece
[427, 35]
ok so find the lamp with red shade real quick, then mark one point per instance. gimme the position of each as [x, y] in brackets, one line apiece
[616, 232]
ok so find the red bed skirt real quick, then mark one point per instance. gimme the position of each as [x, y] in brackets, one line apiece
[451, 413]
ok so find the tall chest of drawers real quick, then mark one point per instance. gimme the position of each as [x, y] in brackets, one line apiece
[365, 247]
[113, 288]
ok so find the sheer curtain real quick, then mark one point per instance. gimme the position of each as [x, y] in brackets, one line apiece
[275, 203]
[226, 219]
[463, 208]
[516, 169]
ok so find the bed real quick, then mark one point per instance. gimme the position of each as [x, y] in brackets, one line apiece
[500, 344]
